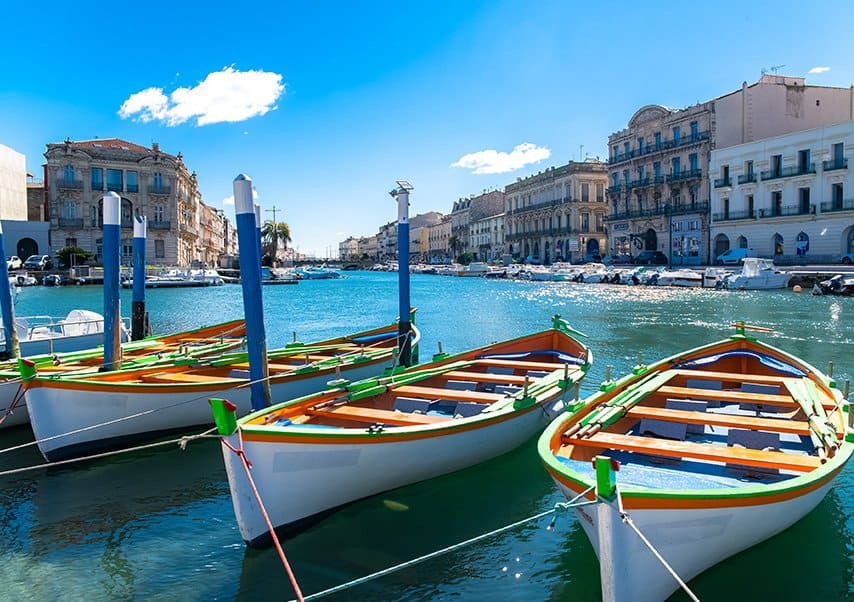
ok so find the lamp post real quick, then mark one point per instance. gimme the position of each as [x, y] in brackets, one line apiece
[404, 328]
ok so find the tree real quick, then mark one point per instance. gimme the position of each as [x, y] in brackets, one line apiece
[454, 243]
[67, 253]
[274, 234]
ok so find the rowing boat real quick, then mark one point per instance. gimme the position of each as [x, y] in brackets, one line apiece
[705, 453]
[82, 414]
[316, 453]
[201, 342]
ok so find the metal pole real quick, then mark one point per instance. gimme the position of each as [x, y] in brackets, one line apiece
[138, 305]
[257, 209]
[250, 280]
[112, 302]
[6, 307]
[404, 327]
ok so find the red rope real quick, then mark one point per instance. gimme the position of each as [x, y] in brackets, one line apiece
[247, 465]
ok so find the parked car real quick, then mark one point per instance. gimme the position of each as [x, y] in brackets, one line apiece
[734, 256]
[651, 258]
[37, 262]
[847, 259]
[13, 263]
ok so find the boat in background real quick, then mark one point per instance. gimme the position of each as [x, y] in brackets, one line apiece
[706, 453]
[200, 342]
[474, 269]
[313, 454]
[312, 272]
[837, 285]
[757, 274]
[180, 278]
[684, 277]
[80, 329]
[74, 415]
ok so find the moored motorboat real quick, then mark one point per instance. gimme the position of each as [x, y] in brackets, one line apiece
[314, 454]
[79, 329]
[715, 449]
[757, 274]
[150, 351]
[73, 415]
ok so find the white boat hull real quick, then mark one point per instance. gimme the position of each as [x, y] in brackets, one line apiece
[19, 416]
[58, 415]
[761, 282]
[297, 481]
[690, 540]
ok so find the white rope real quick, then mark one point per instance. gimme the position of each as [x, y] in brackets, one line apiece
[181, 442]
[628, 521]
[398, 567]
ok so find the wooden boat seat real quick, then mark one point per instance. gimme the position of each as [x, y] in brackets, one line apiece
[701, 451]
[439, 393]
[726, 420]
[484, 377]
[733, 396]
[732, 376]
[374, 415]
[522, 364]
[187, 378]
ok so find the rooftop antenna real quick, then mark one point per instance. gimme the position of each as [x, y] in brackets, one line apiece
[773, 69]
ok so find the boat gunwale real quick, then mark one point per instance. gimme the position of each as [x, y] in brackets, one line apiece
[636, 497]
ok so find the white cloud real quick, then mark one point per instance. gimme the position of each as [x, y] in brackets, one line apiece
[492, 161]
[819, 70]
[223, 96]
[229, 200]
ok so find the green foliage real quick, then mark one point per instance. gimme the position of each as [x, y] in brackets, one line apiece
[465, 258]
[66, 254]
[274, 234]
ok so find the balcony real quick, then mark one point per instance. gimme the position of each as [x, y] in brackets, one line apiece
[788, 172]
[834, 164]
[666, 209]
[684, 208]
[747, 178]
[723, 182]
[652, 149]
[733, 215]
[639, 183]
[838, 205]
[659, 179]
[684, 176]
[161, 225]
[615, 189]
[70, 184]
[787, 211]
[546, 205]
[71, 222]
[161, 189]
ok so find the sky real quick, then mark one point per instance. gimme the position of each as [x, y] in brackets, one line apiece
[325, 104]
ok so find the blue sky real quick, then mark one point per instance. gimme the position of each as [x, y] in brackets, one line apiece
[326, 104]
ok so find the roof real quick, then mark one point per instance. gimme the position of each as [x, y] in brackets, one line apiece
[114, 143]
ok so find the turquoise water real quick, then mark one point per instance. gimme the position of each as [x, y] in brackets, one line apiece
[159, 525]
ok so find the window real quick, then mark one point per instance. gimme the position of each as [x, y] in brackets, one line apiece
[776, 203]
[693, 246]
[640, 144]
[677, 226]
[600, 192]
[68, 174]
[804, 160]
[724, 173]
[628, 148]
[748, 169]
[677, 134]
[779, 246]
[750, 205]
[776, 165]
[158, 214]
[693, 163]
[616, 177]
[585, 192]
[585, 222]
[97, 178]
[157, 180]
[658, 141]
[742, 242]
[677, 168]
[804, 200]
[694, 224]
[616, 152]
[695, 131]
[836, 196]
[133, 183]
[640, 201]
[127, 249]
[626, 176]
[656, 167]
[69, 209]
[726, 208]
[802, 244]
[836, 153]
[600, 225]
[70, 242]
[114, 180]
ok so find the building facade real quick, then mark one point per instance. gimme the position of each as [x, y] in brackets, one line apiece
[348, 249]
[438, 241]
[13, 184]
[368, 247]
[150, 182]
[787, 197]
[487, 238]
[468, 210]
[658, 183]
[557, 214]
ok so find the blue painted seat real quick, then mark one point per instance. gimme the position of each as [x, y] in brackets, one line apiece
[763, 390]
[411, 405]
[689, 405]
[465, 409]
[461, 385]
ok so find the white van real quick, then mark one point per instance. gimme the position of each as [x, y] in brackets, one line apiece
[734, 256]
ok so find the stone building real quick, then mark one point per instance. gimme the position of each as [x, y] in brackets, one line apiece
[368, 247]
[557, 214]
[788, 197]
[658, 174]
[211, 241]
[348, 249]
[36, 200]
[487, 237]
[468, 210]
[438, 237]
[13, 184]
[150, 182]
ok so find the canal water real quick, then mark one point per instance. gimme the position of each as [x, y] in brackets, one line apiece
[159, 525]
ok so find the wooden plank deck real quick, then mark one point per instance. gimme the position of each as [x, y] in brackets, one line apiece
[522, 364]
[701, 451]
[733, 376]
[372, 415]
[775, 425]
[485, 377]
[733, 396]
[453, 394]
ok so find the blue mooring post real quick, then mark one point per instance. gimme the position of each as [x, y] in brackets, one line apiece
[404, 328]
[250, 280]
[112, 308]
[137, 328]
[258, 236]
[6, 307]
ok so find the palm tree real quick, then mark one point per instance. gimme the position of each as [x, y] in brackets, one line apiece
[273, 234]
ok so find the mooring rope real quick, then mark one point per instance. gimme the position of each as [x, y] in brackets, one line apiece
[628, 521]
[573, 503]
[246, 467]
